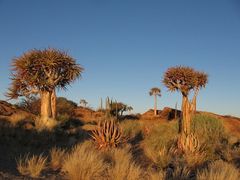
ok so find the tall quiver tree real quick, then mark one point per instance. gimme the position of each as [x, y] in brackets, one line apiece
[185, 80]
[42, 72]
[155, 92]
[201, 81]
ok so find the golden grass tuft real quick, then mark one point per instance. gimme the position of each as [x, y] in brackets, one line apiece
[31, 166]
[123, 166]
[84, 162]
[160, 175]
[219, 170]
[56, 158]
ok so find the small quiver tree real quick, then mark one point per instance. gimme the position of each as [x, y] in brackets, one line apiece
[185, 80]
[155, 92]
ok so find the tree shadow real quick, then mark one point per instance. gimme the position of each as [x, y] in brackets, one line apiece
[22, 139]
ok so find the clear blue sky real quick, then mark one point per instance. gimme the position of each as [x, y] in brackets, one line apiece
[126, 45]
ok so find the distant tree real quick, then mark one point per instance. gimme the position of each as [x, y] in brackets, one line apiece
[129, 108]
[185, 79]
[42, 72]
[83, 102]
[155, 92]
[118, 108]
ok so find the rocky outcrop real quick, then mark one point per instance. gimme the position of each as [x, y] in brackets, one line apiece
[87, 114]
[6, 109]
[13, 114]
[169, 113]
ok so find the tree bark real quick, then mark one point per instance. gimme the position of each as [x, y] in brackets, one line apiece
[53, 104]
[155, 105]
[46, 111]
[186, 116]
[194, 101]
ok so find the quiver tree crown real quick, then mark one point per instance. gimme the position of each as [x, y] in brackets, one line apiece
[42, 70]
[155, 91]
[181, 79]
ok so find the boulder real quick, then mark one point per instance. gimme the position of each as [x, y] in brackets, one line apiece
[169, 113]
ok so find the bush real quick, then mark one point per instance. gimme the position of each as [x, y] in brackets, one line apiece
[84, 162]
[210, 131]
[31, 166]
[159, 142]
[208, 128]
[219, 170]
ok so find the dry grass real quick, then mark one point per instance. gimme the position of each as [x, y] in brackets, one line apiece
[158, 143]
[123, 167]
[195, 159]
[84, 162]
[161, 157]
[160, 175]
[131, 128]
[57, 157]
[31, 166]
[180, 173]
[219, 170]
[43, 124]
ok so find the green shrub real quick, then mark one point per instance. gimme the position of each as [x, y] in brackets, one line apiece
[158, 143]
[210, 131]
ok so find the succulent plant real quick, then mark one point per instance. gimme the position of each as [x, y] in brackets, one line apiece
[108, 134]
[189, 143]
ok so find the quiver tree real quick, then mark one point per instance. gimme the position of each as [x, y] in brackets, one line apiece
[83, 102]
[155, 92]
[185, 80]
[201, 81]
[42, 72]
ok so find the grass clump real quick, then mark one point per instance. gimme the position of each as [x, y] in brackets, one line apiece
[131, 128]
[157, 145]
[56, 158]
[123, 166]
[31, 166]
[160, 175]
[84, 162]
[219, 170]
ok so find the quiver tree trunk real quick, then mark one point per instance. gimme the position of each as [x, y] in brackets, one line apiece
[46, 110]
[186, 116]
[53, 104]
[155, 105]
